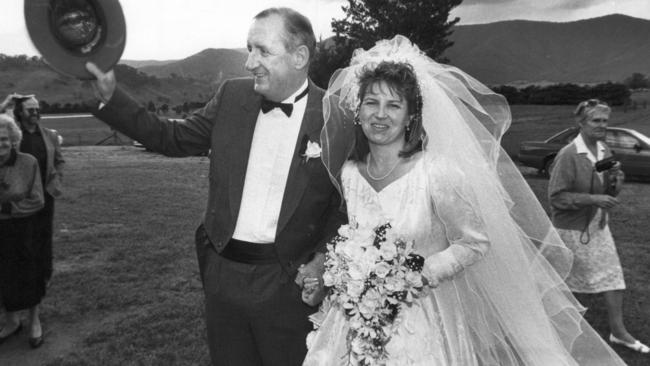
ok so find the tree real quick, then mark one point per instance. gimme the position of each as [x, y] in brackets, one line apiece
[425, 22]
[637, 81]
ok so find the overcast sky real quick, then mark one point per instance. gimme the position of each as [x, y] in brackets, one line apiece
[175, 29]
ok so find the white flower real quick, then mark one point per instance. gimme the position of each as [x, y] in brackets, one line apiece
[414, 279]
[358, 271]
[329, 280]
[382, 269]
[394, 284]
[350, 251]
[312, 150]
[388, 250]
[345, 231]
[355, 288]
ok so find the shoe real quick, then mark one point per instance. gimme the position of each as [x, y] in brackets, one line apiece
[36, 342]
[18, 329]
[636, 346]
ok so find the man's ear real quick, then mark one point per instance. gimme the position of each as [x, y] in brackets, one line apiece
[301, 57]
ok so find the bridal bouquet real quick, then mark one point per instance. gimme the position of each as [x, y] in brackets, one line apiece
[372, 273]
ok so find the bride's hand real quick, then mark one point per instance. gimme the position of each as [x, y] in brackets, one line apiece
[313, 291]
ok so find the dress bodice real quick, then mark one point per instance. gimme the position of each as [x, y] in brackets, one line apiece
[405, 203]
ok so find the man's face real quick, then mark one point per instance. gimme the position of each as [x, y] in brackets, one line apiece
[269, 61]
[31, 112]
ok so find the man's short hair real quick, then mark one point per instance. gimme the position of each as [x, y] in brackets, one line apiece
[297, 28]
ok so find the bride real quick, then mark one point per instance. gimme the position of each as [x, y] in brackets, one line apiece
[416, 144]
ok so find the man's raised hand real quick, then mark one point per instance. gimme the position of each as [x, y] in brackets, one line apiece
[104, 84]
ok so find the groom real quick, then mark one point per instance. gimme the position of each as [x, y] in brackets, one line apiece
[270, 205]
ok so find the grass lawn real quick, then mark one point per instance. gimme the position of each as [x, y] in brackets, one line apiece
[83, 130]
[126, 289]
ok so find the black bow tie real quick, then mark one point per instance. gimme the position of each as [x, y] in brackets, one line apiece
[268, 105]
[287, 108]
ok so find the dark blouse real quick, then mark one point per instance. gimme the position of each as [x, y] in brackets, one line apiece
[34, 145]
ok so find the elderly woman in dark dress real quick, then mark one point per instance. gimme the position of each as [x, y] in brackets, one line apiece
[22, 283]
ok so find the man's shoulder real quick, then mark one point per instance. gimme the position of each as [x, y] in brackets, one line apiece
[317, 89]
[244, 81]
[49, 132]
[239, 85]
[237, 89]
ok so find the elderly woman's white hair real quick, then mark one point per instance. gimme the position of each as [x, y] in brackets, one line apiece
[15, 134]
[588, 108]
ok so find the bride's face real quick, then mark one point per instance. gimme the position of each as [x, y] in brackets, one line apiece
[384, 115]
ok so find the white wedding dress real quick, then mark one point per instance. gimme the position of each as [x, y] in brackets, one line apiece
[424, 335]
[451, 324]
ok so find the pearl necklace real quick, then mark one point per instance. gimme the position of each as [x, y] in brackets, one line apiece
[384, 176]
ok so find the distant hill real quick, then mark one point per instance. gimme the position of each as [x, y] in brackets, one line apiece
[608, 48]
[213, 65]
[32, 76]
[142, 63]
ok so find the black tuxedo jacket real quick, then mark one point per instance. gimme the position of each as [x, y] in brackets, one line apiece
[310, 208]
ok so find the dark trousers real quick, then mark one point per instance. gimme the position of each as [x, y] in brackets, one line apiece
[254, 312]
[44, 220]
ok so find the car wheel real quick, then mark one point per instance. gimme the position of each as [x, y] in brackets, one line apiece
[547, 166]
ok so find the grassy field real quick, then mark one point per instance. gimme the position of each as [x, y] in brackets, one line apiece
[126, 289]
[84, 130]
[529, 122]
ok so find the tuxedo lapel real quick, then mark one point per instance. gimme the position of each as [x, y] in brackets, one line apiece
[241, 140]
[299, 172]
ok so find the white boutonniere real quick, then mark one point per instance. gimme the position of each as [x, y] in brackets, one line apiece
[312, 151]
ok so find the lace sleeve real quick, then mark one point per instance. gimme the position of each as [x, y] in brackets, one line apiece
[454, 203]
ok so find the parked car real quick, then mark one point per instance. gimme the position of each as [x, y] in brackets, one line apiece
[630, 147]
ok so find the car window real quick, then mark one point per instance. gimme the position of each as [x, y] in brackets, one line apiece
[565, 137]
[620, 140]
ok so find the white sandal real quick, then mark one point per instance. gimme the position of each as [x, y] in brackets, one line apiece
[636, 346]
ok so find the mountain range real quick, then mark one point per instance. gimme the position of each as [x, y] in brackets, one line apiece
[608, 48]
[517, 52]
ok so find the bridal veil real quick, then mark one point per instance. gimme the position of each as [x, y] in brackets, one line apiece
[515, 303]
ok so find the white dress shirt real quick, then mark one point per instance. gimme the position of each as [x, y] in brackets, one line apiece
[270, 158]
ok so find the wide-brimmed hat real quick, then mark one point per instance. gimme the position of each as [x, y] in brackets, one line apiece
[69, 33]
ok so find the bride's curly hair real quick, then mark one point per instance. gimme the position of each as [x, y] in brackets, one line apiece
[400, 78]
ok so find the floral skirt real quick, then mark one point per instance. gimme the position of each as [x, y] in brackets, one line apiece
[596, 265]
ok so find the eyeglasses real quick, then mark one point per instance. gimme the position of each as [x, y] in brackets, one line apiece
[33, 111]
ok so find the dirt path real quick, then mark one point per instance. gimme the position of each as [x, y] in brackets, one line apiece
[60, 339]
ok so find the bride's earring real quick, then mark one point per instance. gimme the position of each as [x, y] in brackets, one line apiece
[357, 121]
